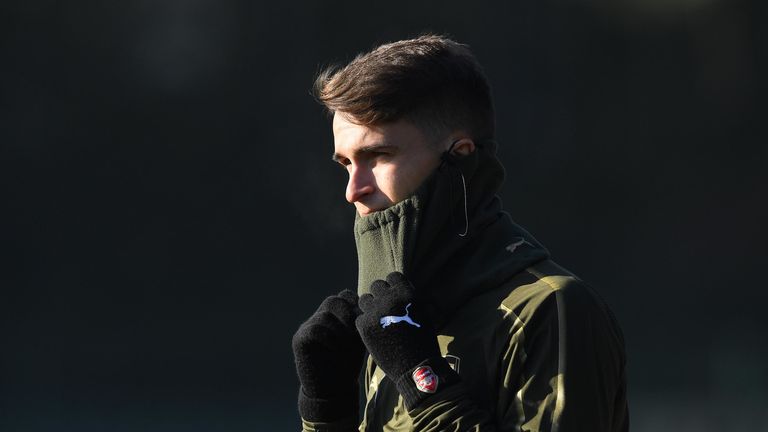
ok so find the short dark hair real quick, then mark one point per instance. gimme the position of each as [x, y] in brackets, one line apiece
[431, 81]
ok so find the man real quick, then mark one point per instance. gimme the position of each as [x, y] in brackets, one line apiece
[467, 322]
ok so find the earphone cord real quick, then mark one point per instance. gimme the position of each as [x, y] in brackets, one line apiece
[464, 186]
[466, 217]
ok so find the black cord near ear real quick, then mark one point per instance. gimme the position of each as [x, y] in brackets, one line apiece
[452, 145]
[449, 159]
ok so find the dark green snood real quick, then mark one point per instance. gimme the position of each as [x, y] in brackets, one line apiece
[448, 256]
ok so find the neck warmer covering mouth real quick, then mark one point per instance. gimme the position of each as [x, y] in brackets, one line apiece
[449, 237]
[386, 239]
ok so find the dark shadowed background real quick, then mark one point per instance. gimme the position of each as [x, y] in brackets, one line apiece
[169, 213]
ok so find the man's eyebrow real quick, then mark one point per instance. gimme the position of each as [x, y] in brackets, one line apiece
[371, 148]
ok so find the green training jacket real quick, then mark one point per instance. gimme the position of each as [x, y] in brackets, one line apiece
[535, 347]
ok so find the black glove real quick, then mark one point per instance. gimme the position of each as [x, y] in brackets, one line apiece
[329, 355]
[401, 341]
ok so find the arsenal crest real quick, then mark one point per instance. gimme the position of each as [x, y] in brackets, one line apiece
[425, 379]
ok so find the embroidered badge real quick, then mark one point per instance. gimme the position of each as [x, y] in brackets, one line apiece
[425, 379]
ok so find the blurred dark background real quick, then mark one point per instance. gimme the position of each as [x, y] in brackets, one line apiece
[169, 213]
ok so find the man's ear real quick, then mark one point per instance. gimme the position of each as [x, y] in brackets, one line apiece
[463, 147]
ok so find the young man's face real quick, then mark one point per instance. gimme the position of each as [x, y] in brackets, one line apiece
[385, 163]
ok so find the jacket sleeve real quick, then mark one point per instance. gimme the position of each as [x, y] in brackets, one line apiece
[346, 425]
[452, 410]
[561, 371]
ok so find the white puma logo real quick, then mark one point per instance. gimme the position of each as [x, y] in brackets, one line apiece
[511, 248]
[392, 319]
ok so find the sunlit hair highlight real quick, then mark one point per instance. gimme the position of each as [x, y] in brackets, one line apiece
[431, 81]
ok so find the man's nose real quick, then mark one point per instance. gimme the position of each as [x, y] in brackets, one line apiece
[361, 183]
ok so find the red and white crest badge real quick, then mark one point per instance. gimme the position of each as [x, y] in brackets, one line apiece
[425, 379]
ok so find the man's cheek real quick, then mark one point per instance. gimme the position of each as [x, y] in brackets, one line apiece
[399, 185]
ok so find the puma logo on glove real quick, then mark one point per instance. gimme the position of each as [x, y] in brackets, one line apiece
[393, 319]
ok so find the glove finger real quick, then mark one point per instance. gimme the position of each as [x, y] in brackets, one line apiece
[339, 308]
[348, 296]
[362, 325]
[379, 288]
[321, 330]
[401, 287]
[322, 320]
[396, 278]
[351, 297]
[366, 304]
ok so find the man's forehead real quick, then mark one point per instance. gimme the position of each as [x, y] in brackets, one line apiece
[349, 135]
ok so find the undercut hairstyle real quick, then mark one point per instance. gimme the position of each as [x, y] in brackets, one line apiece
[431, 81]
